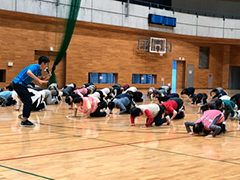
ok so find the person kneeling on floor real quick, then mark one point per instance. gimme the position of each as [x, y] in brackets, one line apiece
[89, 106]
[153, 112]
[212, 120]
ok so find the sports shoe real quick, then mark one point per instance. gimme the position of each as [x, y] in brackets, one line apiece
[27, 123]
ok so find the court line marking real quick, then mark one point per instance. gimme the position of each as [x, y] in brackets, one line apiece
[66, 135]
[36, 139]
[163, 132]
[25, 172]
[59, 152]
[101, 129]
[135, 131]
[117, 144]
[99, 122]
[87, 149]
[173, 152]
[70, 135]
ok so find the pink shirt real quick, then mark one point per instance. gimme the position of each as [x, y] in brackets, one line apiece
[90, 105]
[209, 116]
[81, 91]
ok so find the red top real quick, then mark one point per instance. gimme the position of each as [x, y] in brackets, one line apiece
[170, 106]
[149, 116]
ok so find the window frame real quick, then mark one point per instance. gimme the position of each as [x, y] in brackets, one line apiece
[100, 78]
[145, 77]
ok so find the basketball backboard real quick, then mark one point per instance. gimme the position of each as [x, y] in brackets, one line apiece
[155, 45]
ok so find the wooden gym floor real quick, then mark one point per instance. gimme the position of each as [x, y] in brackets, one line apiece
[61, 147]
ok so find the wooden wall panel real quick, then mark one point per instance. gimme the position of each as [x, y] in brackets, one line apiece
[20, 36]
[102, 48]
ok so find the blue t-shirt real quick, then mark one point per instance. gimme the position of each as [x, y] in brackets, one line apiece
[23, 78]
[6, 95]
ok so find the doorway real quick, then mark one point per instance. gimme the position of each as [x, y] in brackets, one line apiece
[234, 77]
[180, 74]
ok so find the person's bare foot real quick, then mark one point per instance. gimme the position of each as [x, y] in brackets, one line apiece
[209, 136]
[168, 120]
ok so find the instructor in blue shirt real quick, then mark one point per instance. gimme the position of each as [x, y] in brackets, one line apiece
[26, 76]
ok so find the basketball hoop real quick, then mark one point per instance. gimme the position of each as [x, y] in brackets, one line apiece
[155, 45]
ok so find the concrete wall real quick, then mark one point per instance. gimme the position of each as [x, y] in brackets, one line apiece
[114, 13]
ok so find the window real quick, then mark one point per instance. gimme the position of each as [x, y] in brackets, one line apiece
[144, 79]
[203, 58]
[103, 78]
[2, 75]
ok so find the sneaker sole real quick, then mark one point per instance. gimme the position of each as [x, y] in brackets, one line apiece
[20, 117]
[28, 125]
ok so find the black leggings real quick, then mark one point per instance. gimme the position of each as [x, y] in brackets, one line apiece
[25, 97]
[98, 112]
[158, 120]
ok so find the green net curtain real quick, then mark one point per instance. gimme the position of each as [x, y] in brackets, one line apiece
[71, 21]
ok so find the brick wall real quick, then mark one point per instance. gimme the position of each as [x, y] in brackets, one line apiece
[101, 48]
